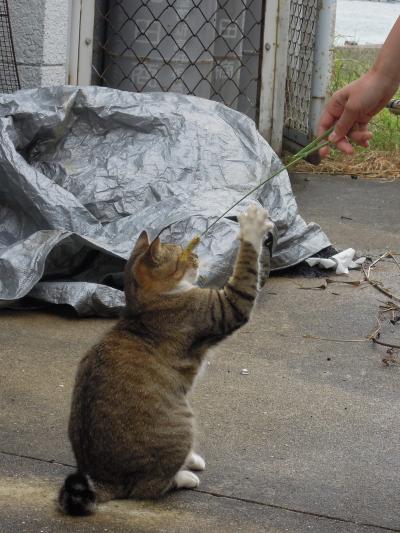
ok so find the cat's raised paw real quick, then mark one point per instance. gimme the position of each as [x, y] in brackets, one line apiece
[185, 479]
[254, 223]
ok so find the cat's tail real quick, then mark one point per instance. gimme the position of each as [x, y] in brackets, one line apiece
[77, 496]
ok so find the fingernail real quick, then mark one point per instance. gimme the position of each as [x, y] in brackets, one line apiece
[333, 137]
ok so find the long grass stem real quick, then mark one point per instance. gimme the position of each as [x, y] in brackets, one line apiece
[314, 146]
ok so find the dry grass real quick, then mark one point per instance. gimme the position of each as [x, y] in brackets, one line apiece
[382, 159]
[368, 164]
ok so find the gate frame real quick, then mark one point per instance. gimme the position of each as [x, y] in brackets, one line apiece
[81, 42]
[273, 71]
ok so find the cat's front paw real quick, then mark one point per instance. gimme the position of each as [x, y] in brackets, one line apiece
[254, 223]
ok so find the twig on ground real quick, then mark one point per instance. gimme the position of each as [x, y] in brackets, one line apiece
[376, 261]
[387, 307]
[378, 284]
[390, 254]
[308, 336]
[316, 338]
[375, 334]
[394, 346]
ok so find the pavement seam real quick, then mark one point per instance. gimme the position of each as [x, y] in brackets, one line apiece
[39, 459]
[234, 498]
[299, 511]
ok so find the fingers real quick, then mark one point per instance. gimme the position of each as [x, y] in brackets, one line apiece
[359, 134]
[361, 137]
[332, 112]
[324, 152]
[344, 117]
[344, 124]
[326, 121]
[345, 146]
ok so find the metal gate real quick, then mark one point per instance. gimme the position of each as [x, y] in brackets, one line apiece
[207, 48]
[310, 48]
[255, 56]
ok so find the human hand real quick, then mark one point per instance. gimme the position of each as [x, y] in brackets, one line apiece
[350, 109]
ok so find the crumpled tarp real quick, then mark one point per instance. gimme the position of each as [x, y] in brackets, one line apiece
[84, 170]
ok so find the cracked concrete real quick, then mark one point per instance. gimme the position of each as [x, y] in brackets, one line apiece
[307, 441]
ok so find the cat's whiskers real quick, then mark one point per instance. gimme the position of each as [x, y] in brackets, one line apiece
[183, 286]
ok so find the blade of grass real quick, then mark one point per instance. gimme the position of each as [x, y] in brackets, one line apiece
[315, 145]
[312, 147]
[312, 144]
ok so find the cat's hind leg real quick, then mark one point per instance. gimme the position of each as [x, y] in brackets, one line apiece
[152, 489]
[156, 488]
[195, 462]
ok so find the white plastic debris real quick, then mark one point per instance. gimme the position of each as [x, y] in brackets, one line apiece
[244, 372]
[343, 261]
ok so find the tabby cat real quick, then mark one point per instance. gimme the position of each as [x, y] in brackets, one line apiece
[131, 426]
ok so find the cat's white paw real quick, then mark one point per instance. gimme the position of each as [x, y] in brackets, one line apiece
[195, 462]
[254, 223]
[186, 480]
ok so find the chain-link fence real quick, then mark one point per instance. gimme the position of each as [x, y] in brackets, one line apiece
[207, 48]
[9, 80]
[302, 30]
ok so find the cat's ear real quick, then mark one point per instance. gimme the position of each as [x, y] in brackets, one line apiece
[142, 244]
[155, 248]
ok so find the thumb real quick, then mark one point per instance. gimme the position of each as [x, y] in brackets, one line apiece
[344, 124]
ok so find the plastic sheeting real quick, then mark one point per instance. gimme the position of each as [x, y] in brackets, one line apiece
[84, 170]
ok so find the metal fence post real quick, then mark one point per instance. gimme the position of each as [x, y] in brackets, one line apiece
[273, 71]
[322, 64]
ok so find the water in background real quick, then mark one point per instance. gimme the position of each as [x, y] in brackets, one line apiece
[364, 22]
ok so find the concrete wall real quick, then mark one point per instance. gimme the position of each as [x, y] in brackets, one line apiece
[40, 33]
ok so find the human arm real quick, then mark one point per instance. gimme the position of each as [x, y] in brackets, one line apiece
[351, 108]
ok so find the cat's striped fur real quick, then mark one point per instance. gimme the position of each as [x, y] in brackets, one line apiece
[131, 426]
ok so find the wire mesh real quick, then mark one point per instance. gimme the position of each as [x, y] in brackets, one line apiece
[9, 80]
[302, 28]
[206, 48]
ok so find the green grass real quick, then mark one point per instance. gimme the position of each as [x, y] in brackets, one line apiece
[348, 65]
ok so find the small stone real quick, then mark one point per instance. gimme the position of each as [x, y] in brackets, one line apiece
[244, 372]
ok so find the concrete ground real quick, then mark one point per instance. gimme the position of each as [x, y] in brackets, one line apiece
[307, 441]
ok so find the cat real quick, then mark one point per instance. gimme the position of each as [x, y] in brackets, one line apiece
[131, 426]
